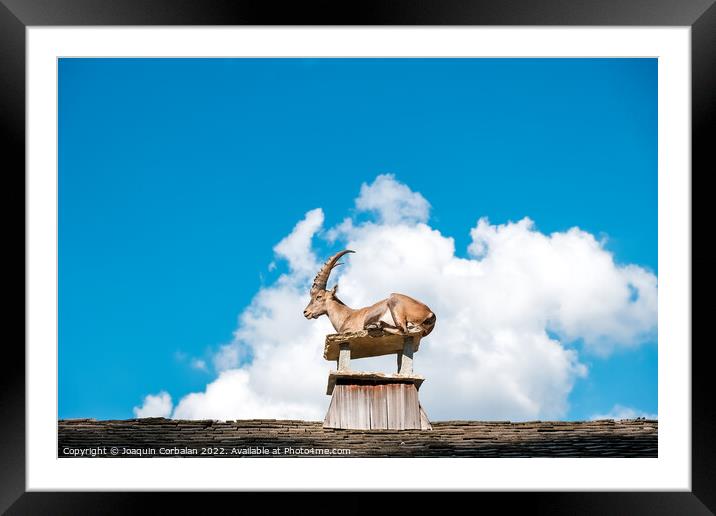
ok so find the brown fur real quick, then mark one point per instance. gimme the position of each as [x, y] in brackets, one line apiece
[398, 313]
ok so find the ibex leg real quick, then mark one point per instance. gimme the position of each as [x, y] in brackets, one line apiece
[398, 314]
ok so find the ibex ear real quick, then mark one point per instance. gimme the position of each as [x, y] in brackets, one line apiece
[335, 288]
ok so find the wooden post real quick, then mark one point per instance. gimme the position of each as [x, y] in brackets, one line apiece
[405, 357]
[344, 357]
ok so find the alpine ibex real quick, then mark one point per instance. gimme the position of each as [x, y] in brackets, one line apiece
[398, 314]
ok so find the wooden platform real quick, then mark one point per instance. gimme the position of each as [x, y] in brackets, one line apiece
[364, 377]
[373, 401]
[366, 343]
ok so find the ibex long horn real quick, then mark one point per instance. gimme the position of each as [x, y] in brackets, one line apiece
[322, 277]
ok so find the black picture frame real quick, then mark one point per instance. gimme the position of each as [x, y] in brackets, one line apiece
[17, 15]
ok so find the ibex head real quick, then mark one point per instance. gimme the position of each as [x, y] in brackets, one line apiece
[319, 295]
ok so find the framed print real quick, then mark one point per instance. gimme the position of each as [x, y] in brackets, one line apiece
[455, 238]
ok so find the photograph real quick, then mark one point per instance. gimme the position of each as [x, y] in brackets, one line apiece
[442, 247]
[262, 257]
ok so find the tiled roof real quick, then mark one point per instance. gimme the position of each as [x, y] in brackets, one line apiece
[605, 438]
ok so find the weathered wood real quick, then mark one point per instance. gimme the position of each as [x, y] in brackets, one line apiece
[412, 406]
[368, 400]
[379, 406]
[408, 397]
[344, 357]
[396, 408]
[359, 401]
[392, 406]
[405, 357]
[367, 343]
[424, 421]
[362, 377]
[332, 420]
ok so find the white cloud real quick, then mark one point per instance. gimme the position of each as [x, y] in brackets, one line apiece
[155, 405]
[227, 357]
[392, 201]
[232, 396]
[198, 363]
[622, 412]
[566, 282]
[506, 314]
[296, 247]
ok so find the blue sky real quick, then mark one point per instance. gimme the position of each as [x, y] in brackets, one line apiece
[177, 177]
